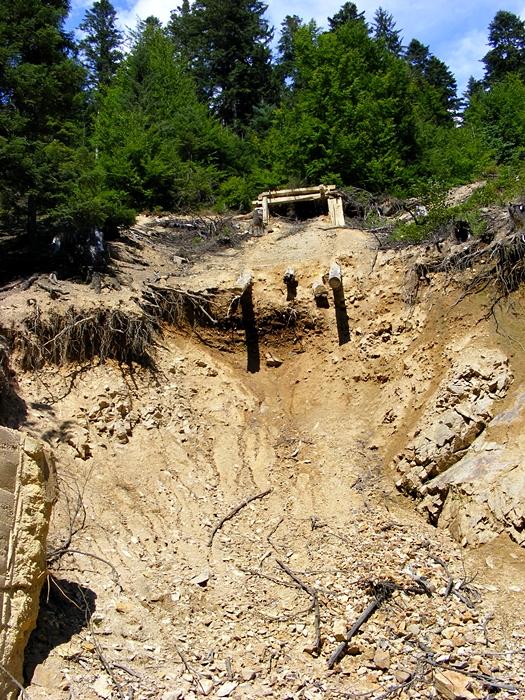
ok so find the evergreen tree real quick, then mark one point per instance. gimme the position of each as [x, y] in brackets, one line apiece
[40, 99]
[438, 87]
[418, 56]
[441, 78]
[157, 144]
[507, 39]
[384, 29]
[347, 13]
[101, 44]
[285, 47]
[351, 119]
[227, 45]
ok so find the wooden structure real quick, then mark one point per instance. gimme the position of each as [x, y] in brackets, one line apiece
[326, 193]
[335, 276]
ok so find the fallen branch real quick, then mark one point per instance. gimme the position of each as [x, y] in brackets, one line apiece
[341, 649]
[18, 685]
[234, 512]
[316, 647]
[491, 681]
[382, 590]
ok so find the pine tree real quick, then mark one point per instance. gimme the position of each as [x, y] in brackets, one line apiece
[156, 143]
[347, 13]
[286, 54]
[437, 85]
[384, 29]
[418, 56]
[101, 44]
[507, 55]
[40, 95]
[227, 46]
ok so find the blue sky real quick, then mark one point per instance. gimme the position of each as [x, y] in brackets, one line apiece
[455, 30]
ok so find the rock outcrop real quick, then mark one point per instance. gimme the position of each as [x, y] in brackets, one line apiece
[460, 459]
[27, 492]
[458, 412]
[484, 493]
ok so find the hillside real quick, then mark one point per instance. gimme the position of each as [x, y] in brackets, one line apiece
[166, 580]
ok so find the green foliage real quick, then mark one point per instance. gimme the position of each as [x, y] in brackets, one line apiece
[155, 141]
[227, 45]
[499, 114]
[101, 44]
[40, 102]
[452, 155]
[351, 117]
[507, 55]
[384, 29]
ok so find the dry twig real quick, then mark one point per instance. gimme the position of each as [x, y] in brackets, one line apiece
[316, 646]
[234, 512]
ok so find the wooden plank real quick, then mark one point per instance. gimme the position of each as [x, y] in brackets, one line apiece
[339, 214]
[331, 210]
[318, 189]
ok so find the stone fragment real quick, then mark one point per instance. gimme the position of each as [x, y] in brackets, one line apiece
[272, 360]
[382, 659]
[339, 630]
[226, 689]
[452, 685]
[201, 579]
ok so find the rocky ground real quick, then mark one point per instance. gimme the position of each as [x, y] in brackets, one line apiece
[219, 531]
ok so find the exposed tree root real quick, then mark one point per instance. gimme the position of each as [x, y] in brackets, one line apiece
[500, 265]
[76, 336]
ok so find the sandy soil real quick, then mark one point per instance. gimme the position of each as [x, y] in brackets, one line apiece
[150, 461]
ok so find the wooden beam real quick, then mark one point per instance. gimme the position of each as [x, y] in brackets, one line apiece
[244, 282]
[335, 276]
[265, 211]
[319, 288]
[338, 216]
[318, 189]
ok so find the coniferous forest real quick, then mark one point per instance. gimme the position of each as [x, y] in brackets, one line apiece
[216, 106]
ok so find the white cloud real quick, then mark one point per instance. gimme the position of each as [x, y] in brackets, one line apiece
[464, 57]
[127, 17]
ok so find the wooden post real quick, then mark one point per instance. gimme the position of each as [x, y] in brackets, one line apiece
[244, 282]
[331, 210]
[318, 287]
[335, 276]
[339, 214]
[289, 276]
[291, 284]
[265, 211]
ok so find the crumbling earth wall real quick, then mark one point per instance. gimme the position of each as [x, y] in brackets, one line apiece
[27, 492]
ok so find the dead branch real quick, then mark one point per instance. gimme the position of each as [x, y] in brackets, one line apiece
[234, 512]
[18, 685]
[273, 579]
[100, 652]
[341, 649]
[382, 591]
[316, 646]
[116, 578]
[192, 673]
[490, 681]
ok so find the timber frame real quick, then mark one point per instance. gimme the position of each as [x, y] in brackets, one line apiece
[326, 193]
